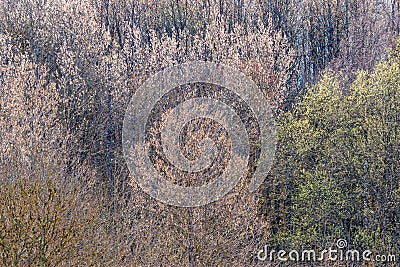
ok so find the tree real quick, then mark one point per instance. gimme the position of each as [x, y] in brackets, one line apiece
[47, 212]
[338, 164]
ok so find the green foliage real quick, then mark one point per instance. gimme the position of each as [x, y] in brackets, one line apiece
[337, 169]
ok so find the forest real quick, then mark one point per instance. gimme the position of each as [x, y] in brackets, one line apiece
[328, 69]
